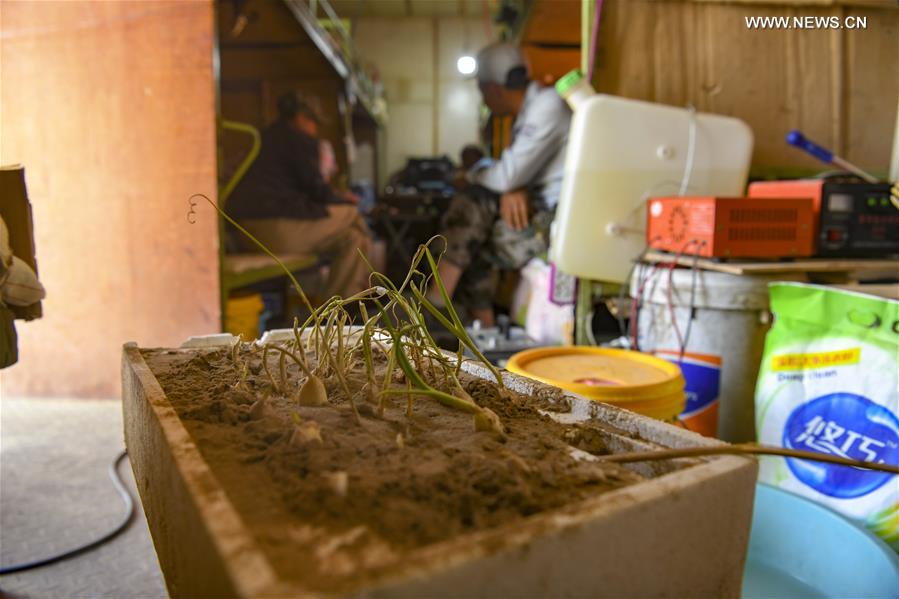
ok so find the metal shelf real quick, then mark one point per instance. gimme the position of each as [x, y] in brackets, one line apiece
[305, 13]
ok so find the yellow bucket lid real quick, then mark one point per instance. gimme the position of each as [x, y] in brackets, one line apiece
[633, 380]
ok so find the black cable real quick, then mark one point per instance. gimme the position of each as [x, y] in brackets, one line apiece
[129, 508]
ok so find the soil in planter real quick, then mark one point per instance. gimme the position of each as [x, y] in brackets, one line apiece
[341, 502]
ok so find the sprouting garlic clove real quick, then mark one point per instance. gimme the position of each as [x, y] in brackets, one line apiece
[487, 420]
[339, 482]
[259, 409]
[312, 393]
[368, 393]
[305, 433]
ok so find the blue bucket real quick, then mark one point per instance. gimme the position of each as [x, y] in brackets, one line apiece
[801, 549]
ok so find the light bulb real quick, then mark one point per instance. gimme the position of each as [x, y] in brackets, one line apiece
[466, 64]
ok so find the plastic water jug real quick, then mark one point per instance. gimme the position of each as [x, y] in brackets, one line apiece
[620, 153]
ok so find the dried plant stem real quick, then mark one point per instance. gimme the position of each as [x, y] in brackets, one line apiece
[293, 357]
[745, 449]
[242, 381]
[260, 245]
[298, 339]
[388, 378]
[235, 352]
[268, 372]
[341, 322]
[282, 370]
[402, 319]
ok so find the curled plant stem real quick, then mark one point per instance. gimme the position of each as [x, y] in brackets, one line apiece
[744, 449]
[260, 245]
[268, 372]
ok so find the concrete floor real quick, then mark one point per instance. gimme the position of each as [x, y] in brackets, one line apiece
[55, 494]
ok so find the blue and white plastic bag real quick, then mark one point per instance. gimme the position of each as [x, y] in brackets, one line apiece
[829, 382]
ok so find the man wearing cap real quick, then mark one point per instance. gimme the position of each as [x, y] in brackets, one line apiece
[284, 201]
[502, 219]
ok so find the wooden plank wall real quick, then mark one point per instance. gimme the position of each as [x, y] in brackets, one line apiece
[839, 86]
[111, 108]
[552, 38]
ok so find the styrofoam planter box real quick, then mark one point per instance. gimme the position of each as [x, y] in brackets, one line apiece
[682, 532]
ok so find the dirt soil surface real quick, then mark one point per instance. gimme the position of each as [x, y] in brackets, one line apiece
[334, 501]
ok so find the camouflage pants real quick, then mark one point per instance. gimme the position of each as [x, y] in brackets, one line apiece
[480, 242]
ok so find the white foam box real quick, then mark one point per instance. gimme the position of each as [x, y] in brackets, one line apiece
[682, 532]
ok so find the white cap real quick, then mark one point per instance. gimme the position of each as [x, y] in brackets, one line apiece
[496, 60]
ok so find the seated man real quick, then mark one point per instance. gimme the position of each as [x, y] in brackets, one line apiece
[286, 204]
[502, 219]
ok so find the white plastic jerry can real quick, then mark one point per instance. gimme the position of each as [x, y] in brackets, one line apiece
[620, 153]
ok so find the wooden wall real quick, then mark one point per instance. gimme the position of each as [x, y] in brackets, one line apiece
[839, 86]
[111, 108]
[552, 38]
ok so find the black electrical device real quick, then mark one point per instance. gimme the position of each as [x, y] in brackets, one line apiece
[854, 218]
[857, 220]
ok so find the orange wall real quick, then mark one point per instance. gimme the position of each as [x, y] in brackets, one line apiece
[111, 108]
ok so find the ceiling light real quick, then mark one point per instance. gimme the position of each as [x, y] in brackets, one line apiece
[467, 65]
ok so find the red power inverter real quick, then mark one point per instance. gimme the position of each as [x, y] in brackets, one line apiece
[731, 227]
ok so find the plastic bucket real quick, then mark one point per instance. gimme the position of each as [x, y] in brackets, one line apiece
[631, 380]
[724, 349]
[242, 315]
[801, 549]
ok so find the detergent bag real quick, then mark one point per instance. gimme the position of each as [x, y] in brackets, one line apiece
[829, 382]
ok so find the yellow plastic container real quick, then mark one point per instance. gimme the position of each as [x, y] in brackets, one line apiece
[627, 379]
[242, 315]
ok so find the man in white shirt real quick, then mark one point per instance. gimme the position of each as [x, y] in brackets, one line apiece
[502, 219]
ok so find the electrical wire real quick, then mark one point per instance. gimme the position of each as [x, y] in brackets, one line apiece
[622, 327]
[669, 293]
[672, 313]
[693, 278]
[636, 303]
[632, 316]
[638, 261]
[123, 524]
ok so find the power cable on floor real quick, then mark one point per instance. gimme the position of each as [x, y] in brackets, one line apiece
[126, 520]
